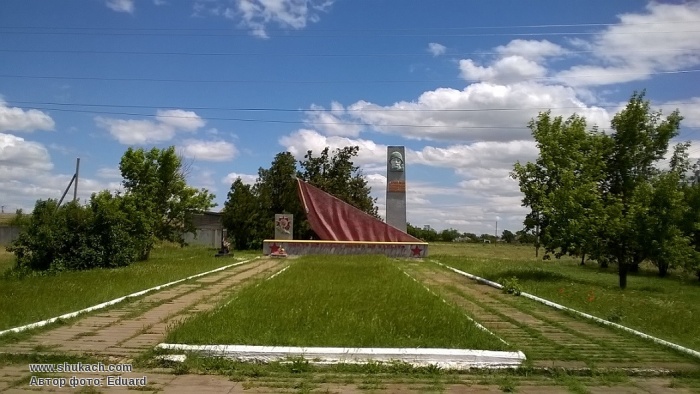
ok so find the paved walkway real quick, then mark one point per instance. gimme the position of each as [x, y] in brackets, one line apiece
[121, 333]
[548, 337]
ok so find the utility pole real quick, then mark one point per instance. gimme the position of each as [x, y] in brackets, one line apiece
[3, 209]
[75, 187]
[496, 233]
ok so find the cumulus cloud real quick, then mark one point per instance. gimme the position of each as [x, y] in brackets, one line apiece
[18, 119]
[257, 15]
[663, 38]
[334, 122]
[248, 179]
[121, 5]
[16, 152]
[531, 49]
[26, 175]
[216, 150]
[180, 119]
[109, 173]
[481, 111]
[436, 49]
[301, 141]
[137, 132]
[506, 70]
[689, 109]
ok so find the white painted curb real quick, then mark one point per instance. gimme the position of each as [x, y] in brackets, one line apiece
[587, 316]
[443, 358]
[116, 300]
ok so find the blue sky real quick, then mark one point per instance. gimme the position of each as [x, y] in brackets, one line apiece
[231, 83]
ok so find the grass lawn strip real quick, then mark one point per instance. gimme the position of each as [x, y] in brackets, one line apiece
[353, 301]
[116, 300]
[477, 324]
[35, 298]
[554, 305]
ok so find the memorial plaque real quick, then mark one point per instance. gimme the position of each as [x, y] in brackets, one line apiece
[284, 226]
[397, 187]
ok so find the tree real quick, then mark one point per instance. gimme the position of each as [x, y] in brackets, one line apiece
[276, 192]
[156, 191]
[561, 187]
[338, 176]
[449, 235]
[508, 236]
[591, 190]
[240, 215]
[640, 140]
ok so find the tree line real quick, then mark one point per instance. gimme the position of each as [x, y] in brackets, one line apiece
[249, 210]
[112, 229]
[611, 197]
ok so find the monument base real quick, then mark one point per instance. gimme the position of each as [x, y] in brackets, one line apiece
[391, 249]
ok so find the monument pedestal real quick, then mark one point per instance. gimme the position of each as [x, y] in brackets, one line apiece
[391, 249]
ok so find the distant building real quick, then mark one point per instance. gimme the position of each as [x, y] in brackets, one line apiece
[427, 227]
[210, 228]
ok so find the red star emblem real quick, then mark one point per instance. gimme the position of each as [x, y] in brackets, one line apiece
[274, 248]
[416, 251]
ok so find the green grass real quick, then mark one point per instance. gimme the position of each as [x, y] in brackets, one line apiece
[7, 260]
[668, 308]
[348, 301]
[36, 298]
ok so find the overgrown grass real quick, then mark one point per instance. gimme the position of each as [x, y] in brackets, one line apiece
[348, 301]
[35, 298]
[668, 308]
[7, 259]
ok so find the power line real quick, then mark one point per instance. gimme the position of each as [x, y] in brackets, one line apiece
[279, 54]
[540, 26]
[280, 121]
[377, 32]
[306, 122]
[271, 81]
[298, 110]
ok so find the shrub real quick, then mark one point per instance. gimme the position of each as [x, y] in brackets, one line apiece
[74, 237]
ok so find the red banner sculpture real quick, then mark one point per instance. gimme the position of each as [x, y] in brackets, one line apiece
[335, 220]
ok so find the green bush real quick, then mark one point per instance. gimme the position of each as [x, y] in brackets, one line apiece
[512, 286]
[74, 237]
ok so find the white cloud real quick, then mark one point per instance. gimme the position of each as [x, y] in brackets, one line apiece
[16, 152]
[301, 141]
[109, 173]
[121, 5]
[509, 69]
[257, 15]
[436, 49]
[180, 119]
[531, 49]
[664, 38]
[26, 175]
[137, 132]
[245, 178]
[17, 119]
[468, 115]
[689, 109]
[334, 122]
[216, 150]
